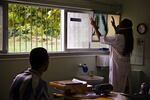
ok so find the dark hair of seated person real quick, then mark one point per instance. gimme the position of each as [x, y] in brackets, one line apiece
[38, 58]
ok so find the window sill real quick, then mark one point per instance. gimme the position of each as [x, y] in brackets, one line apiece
[55, 54]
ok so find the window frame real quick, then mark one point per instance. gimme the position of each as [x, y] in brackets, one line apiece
[37, 5]
[4, 5]
[2, 27]
[78, 51]
[90, 12]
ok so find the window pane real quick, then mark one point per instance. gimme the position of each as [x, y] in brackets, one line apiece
[78, 30]
[1, 28]
[33, 26]
[99, 22]
[111, 30]
[98, 17]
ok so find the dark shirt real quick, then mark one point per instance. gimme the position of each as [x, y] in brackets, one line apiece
[29, 86]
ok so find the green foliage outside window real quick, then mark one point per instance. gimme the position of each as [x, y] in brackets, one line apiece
[25, 21]
[22, 18]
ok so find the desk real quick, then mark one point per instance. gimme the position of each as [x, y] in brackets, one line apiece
[85, 96]
[114, 96]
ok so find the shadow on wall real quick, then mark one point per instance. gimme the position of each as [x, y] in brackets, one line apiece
[103, 71]
[138, 77]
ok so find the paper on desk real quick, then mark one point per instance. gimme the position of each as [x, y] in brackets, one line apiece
[87, 96]
[102, 98]
[79, 81]
[91, 96]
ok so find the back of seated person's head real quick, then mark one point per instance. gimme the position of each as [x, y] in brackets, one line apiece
[39, 58]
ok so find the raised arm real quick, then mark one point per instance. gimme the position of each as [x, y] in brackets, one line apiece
[93, 23]
[113, 24]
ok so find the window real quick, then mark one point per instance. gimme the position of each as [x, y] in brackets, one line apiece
[80, 34]
[109, 29]
[1, 28]
[78, 30]
[33, 26]
[55, 29]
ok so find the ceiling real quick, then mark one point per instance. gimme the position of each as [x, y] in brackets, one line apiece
[106, 1]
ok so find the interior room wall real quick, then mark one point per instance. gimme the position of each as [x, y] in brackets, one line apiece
[138, 12]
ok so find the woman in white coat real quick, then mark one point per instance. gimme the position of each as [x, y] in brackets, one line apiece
[121, 46]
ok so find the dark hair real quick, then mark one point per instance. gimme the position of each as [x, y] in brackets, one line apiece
[128, 34]
[38, 56]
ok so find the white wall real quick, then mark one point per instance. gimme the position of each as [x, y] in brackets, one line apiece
[138, 11]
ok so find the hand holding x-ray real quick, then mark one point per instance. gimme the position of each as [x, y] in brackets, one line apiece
[113, 21]
[93, 23]
[113, 24]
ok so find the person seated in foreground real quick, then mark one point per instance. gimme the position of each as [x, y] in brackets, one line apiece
[29, 85]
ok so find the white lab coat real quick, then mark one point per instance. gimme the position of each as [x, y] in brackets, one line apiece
[119, 66]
